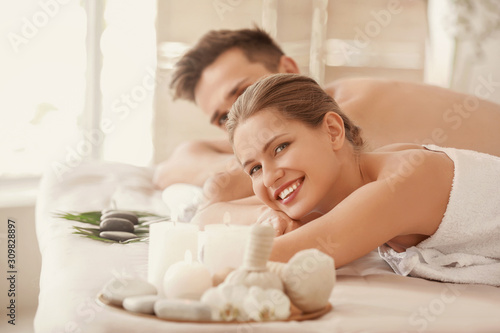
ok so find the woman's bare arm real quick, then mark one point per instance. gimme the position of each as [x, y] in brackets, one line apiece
[406, 203]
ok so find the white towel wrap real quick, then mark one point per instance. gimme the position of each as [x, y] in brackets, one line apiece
[466, 246]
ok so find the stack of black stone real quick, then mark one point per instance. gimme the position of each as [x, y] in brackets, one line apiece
[118, 225]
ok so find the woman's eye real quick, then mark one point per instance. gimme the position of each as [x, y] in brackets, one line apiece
[254, 170]
[281, 147]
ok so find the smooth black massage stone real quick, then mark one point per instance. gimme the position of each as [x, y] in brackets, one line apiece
[116, 224]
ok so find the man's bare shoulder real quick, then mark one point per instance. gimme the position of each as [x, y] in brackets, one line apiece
[344, 86]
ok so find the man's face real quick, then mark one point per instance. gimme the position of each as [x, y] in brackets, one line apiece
[223, 82]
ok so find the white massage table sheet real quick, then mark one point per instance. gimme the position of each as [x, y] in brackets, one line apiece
[368, 296]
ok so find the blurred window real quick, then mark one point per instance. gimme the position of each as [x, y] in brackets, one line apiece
[49, 118]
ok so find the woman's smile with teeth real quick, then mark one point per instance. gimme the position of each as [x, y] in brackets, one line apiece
[286, 192]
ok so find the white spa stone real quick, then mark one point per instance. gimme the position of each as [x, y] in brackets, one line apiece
[141, 304]
[182, 310]
[116, 290]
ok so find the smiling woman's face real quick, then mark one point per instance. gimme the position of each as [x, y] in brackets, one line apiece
[293, 167]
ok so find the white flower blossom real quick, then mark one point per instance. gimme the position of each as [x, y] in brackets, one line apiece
[226, 302]
[266, 304]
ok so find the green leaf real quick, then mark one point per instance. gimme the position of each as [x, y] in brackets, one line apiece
[86, 217]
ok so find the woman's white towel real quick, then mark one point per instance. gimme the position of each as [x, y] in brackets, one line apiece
[466, 246]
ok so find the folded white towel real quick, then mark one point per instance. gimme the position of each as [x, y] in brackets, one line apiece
[183, 201]
[466, 246]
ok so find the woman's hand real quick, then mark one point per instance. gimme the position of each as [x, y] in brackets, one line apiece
[281, 222]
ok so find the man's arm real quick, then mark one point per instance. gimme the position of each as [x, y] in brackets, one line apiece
[193, 162]
[210, 164]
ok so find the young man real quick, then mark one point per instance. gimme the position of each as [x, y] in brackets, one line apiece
[224, 63]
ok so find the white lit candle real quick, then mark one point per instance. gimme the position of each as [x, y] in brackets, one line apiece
[168, 243]
[186, 279]
[224, 246]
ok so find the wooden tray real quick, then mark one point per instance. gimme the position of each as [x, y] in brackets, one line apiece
[294, 317]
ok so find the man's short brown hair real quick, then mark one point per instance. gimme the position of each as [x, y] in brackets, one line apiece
[256, 44]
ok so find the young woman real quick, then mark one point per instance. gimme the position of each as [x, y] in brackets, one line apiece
[306, 161]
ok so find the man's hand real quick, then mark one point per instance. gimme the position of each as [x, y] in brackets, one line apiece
[281, 222]
[233, 184]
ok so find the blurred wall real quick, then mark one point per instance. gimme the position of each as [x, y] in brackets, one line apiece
[464, 46]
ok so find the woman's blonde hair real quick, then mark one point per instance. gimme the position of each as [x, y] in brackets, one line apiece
[295, 97]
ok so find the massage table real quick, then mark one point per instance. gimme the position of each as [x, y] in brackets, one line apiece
[367, 297]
